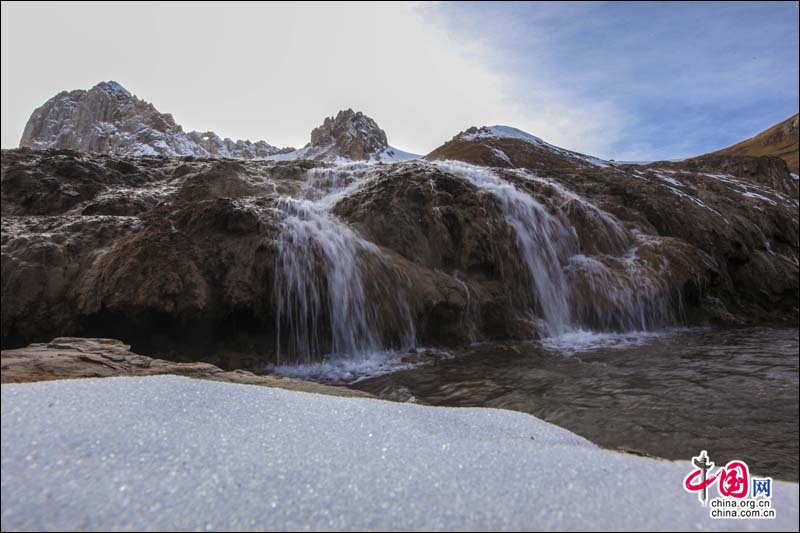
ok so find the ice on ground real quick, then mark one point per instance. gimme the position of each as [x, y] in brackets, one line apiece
[662, 175]
[746, 188]
[174, 453]
[757, 196]
[501, 155]
[693, 199]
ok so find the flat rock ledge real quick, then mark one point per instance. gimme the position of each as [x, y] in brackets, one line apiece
[76, 357]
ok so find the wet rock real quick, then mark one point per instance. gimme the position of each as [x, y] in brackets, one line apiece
[770, 171]
[44, 262]
[180, 257]
[71, 358]
[223, 179]
[732, 211]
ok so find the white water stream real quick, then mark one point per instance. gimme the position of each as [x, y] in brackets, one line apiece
[325, 315]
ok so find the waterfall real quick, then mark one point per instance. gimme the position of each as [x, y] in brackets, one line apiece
[621, 294]
[324, 304]
[607, 234]
[544, 241]
[611, 291]
[337, 296]
[320, 294]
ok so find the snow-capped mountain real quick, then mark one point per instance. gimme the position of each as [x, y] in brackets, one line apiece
[349, 136]
[109, 119]
[504, 146]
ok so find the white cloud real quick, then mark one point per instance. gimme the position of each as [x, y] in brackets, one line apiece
[273, 71]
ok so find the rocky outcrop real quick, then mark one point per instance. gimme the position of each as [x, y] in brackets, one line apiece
[768, 171]
[215, 146]
[350, 135]
[108, 119]
[781, 140]
[738, 210]
[196, 257]
[91, 243]
[71, 358]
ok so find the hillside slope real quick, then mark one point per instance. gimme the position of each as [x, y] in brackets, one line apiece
[781, 140]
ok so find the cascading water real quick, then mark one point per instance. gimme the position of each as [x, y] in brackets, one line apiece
[611, 236]
[320, 294]
[571, 290]
[325, 185]
[323, 305]
[620, 294]
[614, 290]
[545, 242]
[338, 298]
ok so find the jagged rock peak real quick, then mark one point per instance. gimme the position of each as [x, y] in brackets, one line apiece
[109, 119]
[350, 134]
[113, 88]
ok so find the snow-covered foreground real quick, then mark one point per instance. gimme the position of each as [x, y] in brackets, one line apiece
[175, 453]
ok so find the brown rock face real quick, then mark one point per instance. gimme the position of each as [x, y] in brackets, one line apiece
[781, 140]
[765, 170]
[193, 258]
[108, 119]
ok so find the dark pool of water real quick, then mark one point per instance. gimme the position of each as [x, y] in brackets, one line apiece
[731, 392]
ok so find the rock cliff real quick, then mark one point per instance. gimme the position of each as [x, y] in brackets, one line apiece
[109, 119]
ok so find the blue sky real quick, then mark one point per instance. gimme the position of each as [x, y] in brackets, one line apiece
[662, 79]
[627, 81]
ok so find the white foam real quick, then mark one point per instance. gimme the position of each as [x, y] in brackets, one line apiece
[351, 368]
[581, 340]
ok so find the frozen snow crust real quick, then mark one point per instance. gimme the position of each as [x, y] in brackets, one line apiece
[174, 453]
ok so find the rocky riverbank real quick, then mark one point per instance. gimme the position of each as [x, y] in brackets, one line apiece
[73, 358]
